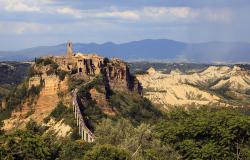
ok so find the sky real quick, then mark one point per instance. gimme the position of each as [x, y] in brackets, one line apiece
[29, 23]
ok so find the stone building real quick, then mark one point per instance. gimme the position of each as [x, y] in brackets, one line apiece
[82, 63]
[88, 63]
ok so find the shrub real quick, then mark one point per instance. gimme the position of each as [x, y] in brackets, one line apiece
[32, 72]
[54, 65]
[61, 74]
[23, 145]
[141, 72]
[84, 92]
[106, 152]
[59, 111]
[134, 107]
[34, 128]
[34, 90]
[47, 61]
[105, 61]
[16, 96]
[73, 83]
[39, 61]
[74, 150]
[50, 72]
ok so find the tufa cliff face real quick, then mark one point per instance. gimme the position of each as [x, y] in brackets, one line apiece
[51, 84]
[119, 78]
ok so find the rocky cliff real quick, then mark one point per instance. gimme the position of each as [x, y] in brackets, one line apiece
[52, 76]
[39, 106]
[119, 77]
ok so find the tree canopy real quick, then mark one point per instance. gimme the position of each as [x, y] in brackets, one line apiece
[207, 133]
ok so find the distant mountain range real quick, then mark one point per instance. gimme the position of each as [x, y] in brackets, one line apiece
[157, 50]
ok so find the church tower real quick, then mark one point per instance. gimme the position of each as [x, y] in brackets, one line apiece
[69, 50]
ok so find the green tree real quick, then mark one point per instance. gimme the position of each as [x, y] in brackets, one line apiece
[106, 152]
[59, 111]
[140, 142]
[34, 128]
[61, 74]
[74, 149]
[207, 133]
[23, 145]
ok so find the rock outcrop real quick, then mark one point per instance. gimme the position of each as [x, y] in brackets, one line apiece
[119, 78]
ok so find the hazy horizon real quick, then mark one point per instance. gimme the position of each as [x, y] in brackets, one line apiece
[100, 43]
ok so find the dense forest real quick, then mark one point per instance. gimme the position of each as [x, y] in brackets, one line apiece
[205, 133]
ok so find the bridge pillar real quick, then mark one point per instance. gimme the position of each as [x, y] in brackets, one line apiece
[89, 140]
[75, 111]
[82, 134]
[76, 119]
[79, 128]
[85, 136]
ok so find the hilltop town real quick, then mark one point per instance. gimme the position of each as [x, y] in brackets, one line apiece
[52, 79]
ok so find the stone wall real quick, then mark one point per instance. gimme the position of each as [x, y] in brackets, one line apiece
[51, 84]
[34, 81]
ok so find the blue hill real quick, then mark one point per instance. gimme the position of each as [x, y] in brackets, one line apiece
[160, 49]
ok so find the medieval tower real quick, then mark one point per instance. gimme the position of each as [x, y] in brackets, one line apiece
[69, 51]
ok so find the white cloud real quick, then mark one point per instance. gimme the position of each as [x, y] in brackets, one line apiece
[147, 14]
[185, 14]
[176, 12]
[19, 6]
[77, 13]
[156, 16]
[129, 15]
[152, 14]
[20, 28]
[70, 11]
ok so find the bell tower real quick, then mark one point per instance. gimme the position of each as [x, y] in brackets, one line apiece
[69, 50]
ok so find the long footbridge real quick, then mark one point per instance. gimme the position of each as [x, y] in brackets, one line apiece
[84, 131]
